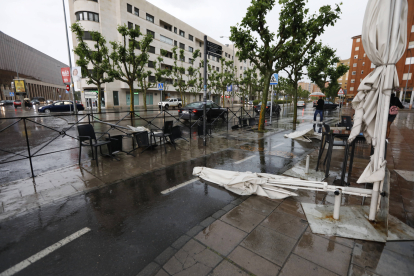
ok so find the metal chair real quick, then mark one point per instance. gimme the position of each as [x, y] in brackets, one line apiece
[87, 133]
[252, 122]
[176, 134]
[166, 132]
[141, 138]
[346, 121]
[327, 138]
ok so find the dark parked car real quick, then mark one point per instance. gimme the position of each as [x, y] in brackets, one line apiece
[329, 105]
[60, 106]
[35, 102]
[49, 101]
[275, 110]
[6, 102]
[196, 110]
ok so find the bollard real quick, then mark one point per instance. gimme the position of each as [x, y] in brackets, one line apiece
[307, 164]
[337, 206]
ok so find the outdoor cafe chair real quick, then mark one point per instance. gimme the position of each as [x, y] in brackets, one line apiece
[87, 138]
[166, 132]
[142, 140]
[327, 138]
[176, 134]
[346, 121]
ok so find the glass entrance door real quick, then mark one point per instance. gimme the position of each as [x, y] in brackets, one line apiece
[116, 99]
[150, 99]
[136, 99]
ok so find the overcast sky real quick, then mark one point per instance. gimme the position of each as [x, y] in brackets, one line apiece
[40, 23]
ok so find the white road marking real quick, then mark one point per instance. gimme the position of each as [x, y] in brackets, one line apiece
[278, 145]
[177, 187]
[240, 161]
[22, 265]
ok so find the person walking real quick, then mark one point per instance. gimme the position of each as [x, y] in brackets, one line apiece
[393, 111]
[319, 110]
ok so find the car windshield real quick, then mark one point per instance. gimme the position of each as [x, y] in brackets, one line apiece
[300, 101]
[194, 105]
[18, 101]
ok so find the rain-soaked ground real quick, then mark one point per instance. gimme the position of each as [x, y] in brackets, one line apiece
[134, 226]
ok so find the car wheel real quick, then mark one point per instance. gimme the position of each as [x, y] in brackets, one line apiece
[166, 107]
[179, 105]
[47, 111]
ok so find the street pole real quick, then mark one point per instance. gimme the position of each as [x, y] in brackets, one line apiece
[205, 90]
[70, 62]
[271, 104]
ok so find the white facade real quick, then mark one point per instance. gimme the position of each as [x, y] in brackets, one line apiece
[115, 12]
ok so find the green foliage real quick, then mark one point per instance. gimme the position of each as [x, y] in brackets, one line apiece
[97, 57]
[128, 65]
[323, 68]
[221, 79]
[255, 102]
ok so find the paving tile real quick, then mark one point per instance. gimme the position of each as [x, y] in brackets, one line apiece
[355, 270]
[293, 207]
[269, 244]
[165, 255]
[285, 223]
[181, 241]
[344, 241]
[405, 248]
[237, 201]
[260, 204]
[373, 257]
[326, 253]
[59, 192]
[253, 262]
[162, 273]
[227, 269]
[218, 214]
[297, 266]
[243, 218]
[192, 259]
[228, 207]
[195, 230]
[221, 237]
[207, 221]
[149, 270]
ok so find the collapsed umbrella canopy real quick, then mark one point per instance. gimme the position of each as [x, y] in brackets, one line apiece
[317, 94]
[384, 37]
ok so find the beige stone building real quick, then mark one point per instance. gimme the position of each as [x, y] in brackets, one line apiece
[343, 81]
[104, 16]
[311, 87]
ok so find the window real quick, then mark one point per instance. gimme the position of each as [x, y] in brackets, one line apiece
[191, 61]
[365, 54]
[134, 44]
[214, 67]
[353, 81]
[353, 72]
[190, 37]
[150, 18]
[355, 64]
[182, 33]
[351, 89]
[244, 62]
[244, 68]
[356, 56]
[241, 67]
[405, 76]
[168, 55]
[199, 43]
[240, 75]
[151, 49]
[166, 40]
[175, 30]
[409, 60]
[149, 32]
[83, 15]
[411, 45]
[151, 79]
[129, 8]
[218, 69]
[199, 65]
[208, 56]
[175, 42]
[358, 40]
[412, 28]
[356, 48]
[87, 35]
[137, 27]
[136, 11]
[151, 64]
[372, 65]
[190, 49]
[363, 64]
[168, 27]
[225, 54]
[362, 72]
[182, 46]
[130, 25]
[182, 58]
[199, 54]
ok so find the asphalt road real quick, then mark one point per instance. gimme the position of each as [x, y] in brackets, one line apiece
[132, 222]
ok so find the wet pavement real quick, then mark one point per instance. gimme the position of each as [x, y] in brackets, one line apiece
[200, 228]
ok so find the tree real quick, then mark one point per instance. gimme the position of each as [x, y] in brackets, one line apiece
[127, 65]
[223, 78]
[269, 56]
[304, 30]
[179, 71]
[98, 57]
[323, 68]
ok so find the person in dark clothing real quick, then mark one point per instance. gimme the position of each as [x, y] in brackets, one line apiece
[393, 111]
[319, 109]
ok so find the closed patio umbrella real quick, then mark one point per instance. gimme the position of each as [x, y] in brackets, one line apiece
[317, 94]
[384, 36]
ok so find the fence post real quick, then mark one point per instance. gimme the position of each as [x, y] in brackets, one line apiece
[132, 113]
[190, 111]
[28, 147]
[227, 120]
[89, 118]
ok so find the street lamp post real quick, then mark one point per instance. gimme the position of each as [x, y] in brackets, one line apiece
[232, 87]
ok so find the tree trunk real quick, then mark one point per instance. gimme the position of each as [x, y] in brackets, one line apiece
[99, 97]
[131, 96]
[295, 105]
[144, 94]
[224, 98]
[264, 102]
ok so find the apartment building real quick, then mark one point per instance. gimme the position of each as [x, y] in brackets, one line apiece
[168, 31]
[343, 81]
[311, 87]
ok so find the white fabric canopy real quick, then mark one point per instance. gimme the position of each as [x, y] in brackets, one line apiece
[304, 135]
[384, 36]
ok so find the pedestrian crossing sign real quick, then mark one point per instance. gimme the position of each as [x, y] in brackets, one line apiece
[160, 86]
[274, 79]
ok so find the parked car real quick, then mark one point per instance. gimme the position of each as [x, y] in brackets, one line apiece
[275, 109]
[35, 102]
[173, 102]
[329, 105]
[49, 101]
[39, 99]
[250, 103]
[301, 104]
[17, 103]
[6, 102]
[60, 106]
[196, 110]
